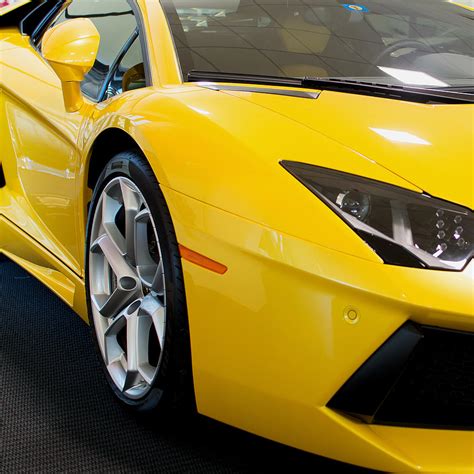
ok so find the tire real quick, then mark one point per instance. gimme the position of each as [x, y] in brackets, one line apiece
[120, 311]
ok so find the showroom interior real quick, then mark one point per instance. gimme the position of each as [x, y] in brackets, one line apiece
[237, 236]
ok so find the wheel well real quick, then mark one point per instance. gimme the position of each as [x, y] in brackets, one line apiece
[107, 145]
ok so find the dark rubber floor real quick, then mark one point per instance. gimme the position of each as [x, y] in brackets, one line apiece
[58, 415]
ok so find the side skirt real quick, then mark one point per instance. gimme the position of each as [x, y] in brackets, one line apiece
[35, 259]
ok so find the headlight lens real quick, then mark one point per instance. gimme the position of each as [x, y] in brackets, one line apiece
[404, 227]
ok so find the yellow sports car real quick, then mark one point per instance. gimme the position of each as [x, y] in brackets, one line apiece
[264, 208]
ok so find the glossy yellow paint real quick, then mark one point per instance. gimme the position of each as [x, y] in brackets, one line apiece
[284, 299]
[71, 49]
[280, 346]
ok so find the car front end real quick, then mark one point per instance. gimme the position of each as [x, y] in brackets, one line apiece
[340, 210]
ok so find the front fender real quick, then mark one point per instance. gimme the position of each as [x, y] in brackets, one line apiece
[225, 151]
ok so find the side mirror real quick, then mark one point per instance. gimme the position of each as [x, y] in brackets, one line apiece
[71, 49]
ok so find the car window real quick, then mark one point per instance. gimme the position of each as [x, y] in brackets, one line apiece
[115, 21]
[129, 73]
[417, 42]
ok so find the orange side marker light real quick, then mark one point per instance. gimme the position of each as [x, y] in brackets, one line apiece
[201, 260]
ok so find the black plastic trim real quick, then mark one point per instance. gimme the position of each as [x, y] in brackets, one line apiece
[99, 15]
[421, 377]
[203, 76]
[47, 11]
[364, 392]
[261, 90]
[3, 183]
[15, 17]
[412, 94]
[388, 91]
[391, 253]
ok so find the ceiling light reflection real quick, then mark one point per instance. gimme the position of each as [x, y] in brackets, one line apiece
[413, 78]
[400, 137]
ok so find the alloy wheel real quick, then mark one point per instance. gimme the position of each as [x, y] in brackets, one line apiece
[127, 287]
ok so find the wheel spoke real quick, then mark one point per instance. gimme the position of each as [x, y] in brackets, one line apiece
[116, 301]
[138, 331]
[113, 256]
[113, 351]
[148, 269]
[152, 307]
[127, 287]
[133, 344]
[107, 282]
[132, 203]
[147, 372]
[101, 281]
[158, 283]
[110, 209]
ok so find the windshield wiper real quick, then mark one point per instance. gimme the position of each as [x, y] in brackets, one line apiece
[351, 86]
[391, 91]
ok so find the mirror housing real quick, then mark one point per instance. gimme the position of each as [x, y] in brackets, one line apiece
[71, 49]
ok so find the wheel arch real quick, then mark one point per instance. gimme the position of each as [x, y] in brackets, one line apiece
[102, 148]
[106, 145]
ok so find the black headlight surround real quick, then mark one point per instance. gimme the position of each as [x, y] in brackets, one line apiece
[390, 251]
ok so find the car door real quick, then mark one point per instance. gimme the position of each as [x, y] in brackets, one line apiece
[45, 139]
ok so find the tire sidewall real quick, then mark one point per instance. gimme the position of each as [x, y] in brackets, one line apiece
[131, 165]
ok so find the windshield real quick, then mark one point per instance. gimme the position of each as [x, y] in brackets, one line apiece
[425, 43]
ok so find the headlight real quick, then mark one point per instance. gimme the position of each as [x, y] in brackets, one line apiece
[403, 227]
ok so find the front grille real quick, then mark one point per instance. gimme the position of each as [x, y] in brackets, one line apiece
[422, 376]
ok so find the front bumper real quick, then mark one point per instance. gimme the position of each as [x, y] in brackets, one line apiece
[277, 337]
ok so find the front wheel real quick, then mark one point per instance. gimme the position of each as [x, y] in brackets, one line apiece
[135, 289]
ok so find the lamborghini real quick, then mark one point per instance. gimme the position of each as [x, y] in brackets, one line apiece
[263, 208]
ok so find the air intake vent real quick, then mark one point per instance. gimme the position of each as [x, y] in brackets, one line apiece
[2, 177]
[422, 376]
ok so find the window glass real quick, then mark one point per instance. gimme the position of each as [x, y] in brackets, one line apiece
[115, 22]
[130, 72]
[427, 42]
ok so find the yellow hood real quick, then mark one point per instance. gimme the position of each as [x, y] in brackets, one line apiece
[431, 146]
